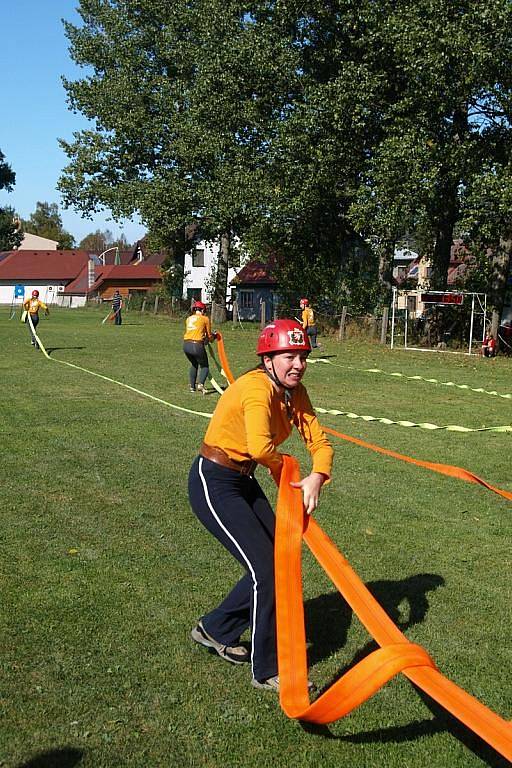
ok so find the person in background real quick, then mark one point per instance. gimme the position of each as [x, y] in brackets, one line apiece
[197, 333]
[308, 322]
[489, 346]
[31, 307]
[252, 418]
[117, 305]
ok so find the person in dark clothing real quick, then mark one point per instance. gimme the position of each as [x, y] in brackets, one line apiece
[117, 305]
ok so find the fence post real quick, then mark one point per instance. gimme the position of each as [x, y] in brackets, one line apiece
[156, 305]
[263, 321]
[341, 329]
[384, 329]
[236, 316]
[143, 308]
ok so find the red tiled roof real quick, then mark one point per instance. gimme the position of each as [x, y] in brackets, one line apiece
[120, 273]
[255, 272]
[42, 265]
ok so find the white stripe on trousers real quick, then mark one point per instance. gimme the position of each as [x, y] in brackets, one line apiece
[244, 556]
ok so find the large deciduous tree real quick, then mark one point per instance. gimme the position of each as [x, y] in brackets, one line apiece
[294, 126]
[46, 221]
[10, 231]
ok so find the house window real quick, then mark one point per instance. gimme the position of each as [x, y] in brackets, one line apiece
[246, 299]
[198, 257]
[194, 293]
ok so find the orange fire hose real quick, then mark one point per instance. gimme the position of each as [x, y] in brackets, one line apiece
[443, 469]
[396, 653]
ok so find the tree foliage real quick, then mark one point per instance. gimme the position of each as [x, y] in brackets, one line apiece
[298, 127]
[99, 241]
[46, 221]
[10, 233]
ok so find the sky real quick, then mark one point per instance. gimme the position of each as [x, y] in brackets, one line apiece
[34, 113]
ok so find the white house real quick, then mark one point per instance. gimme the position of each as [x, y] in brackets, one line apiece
[199, 271]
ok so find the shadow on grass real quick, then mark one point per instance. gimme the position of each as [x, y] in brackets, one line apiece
[333, 612]
[442, 722]
[66, 757]
[58, 349]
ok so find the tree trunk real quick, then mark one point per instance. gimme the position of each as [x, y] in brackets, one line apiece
[221, 277]
[386, 258]
[444, 240]
[501, 263]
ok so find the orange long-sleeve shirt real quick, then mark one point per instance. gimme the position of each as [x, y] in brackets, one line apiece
[308, 317]
[197, 328]
[251, 419]
[33, 306]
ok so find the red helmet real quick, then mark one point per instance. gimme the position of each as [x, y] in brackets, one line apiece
[283, 336]
[305, 302]
[198, 305]
[35, 294]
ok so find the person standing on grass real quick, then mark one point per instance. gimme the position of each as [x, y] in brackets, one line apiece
[117, 305]
[308, 322]
[197, 333]
[31, 307]
[253, 417]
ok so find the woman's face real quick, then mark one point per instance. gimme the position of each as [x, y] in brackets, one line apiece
[289, 367]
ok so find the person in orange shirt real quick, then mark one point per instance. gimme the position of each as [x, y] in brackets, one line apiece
[31, 307]
[197, 332]
[308, 322]
[252, 418]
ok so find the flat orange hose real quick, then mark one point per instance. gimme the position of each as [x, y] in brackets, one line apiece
[395, 655]
[223, 358]
[443, 469]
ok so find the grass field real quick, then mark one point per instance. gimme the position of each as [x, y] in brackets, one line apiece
[104, 569]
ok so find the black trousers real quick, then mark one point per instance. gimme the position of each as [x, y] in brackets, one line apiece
[35, 323]
[312, 333]
[235, 510]
[196, 355]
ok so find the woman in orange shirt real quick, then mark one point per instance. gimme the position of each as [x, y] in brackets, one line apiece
[254, 416]
[31, 307]
[197, 332]
[308, 322]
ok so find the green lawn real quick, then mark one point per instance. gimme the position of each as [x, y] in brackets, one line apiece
[104, 569]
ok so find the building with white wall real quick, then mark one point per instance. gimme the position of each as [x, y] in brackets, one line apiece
[32, 242]
[200, 270]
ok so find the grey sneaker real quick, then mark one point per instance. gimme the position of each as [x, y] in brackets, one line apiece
[200, 388]
[236, 654]
[272, 684]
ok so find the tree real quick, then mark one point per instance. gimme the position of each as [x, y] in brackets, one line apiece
[97, 242]
[11, 235]
[10, 231]
[46, 222]
[296, 127]
[449, 64]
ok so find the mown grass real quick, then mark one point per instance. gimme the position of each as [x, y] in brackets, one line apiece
[104, 569]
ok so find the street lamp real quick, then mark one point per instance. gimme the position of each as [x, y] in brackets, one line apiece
[114, 248]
